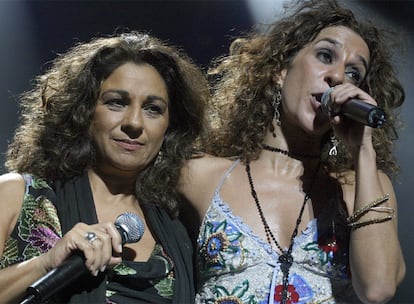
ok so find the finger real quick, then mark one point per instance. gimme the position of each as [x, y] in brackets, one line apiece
[102, 248]
[344, 92]
[115, 237]
[91, 241]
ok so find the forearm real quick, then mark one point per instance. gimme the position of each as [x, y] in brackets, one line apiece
[375, 256]
[15, 279]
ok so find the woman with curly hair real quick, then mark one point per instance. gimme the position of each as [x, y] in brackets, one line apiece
[295, 205]
[105, 131]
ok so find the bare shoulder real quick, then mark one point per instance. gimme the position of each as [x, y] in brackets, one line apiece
[200, 177]
[205, 168]
[10, 183]
[12, 190]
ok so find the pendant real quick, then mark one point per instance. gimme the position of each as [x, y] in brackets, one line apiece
[285, 260]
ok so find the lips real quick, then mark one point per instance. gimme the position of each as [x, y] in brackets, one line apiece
[316, 101]
[129, 145]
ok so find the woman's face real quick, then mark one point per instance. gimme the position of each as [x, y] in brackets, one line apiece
[130, 119]
[337, 55]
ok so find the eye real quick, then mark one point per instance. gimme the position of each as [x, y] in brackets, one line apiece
[116, 103]
[354, 75]
[325, 55]
[154, 109]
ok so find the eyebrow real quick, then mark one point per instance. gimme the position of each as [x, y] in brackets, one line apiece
[125, 94]
[338, 44]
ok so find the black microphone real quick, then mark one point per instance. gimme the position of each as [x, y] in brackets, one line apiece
[131, 229]
[354, 109]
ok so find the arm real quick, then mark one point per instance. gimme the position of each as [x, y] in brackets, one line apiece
[16, 278]
[376, 259]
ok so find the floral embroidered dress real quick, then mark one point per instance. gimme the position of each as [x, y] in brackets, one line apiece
[38, 229]
[236, 266]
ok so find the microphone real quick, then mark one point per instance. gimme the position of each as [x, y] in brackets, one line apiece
[354, 109]
[131, 229]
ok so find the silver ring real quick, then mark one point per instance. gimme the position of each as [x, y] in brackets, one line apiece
[90, 237]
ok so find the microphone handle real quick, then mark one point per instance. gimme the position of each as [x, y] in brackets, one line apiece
[56, 279]
[130, 228]
[364, 113]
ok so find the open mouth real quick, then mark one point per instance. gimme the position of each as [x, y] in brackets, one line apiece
[318, 97]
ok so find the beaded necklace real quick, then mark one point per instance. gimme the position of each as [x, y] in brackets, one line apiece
[290, 154]
[285, 258]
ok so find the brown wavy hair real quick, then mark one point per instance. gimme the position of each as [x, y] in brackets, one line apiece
[52, 140]
[242, 111]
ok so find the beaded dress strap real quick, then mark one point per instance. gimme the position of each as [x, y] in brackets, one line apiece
[223, 178]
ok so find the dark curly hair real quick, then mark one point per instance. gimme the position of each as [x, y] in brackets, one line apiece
[242, 111]
[52, 140]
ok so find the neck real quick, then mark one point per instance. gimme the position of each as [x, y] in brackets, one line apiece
[115, 184]
[293, 140]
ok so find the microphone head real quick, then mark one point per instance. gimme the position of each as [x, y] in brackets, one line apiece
[130, 227]
[326, 101]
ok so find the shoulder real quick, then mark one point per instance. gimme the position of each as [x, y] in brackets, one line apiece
[200, 177]
[205, 168]
[11, 183]
[12, 191]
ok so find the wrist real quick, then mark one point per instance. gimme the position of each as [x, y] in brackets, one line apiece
[41, 264]
[364, 152]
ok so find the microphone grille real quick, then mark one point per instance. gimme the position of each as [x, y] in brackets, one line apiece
[131, 226]
[326, 100]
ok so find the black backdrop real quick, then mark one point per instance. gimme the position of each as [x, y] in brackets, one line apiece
[32, 32]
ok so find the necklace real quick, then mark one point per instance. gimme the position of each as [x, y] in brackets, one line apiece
[285, 258]
[290, 154]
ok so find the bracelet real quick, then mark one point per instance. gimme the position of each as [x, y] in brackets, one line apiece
[355, 225]
[371, 206]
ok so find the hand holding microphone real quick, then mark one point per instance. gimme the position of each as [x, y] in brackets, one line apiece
[354, 109]
[130, 228]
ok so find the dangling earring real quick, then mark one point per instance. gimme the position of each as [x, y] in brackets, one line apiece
[333, 151]
[158, 159]
[275, 104]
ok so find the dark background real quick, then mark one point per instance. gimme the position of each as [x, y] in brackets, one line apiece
[33, 32]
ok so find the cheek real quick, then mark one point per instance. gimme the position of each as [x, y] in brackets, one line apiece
[156, 131]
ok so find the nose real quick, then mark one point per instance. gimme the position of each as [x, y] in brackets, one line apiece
[335, 75]
[132, 123]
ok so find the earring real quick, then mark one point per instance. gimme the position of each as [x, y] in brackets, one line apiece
[333, 151]
[275, 104]
[158, 159]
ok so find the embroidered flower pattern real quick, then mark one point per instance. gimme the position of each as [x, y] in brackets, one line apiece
[163, 285]
[37, 229]
[292, 295]
[330, 256]
[227, 246]
[229, 300]
[216, 243]
[222, 239]
[236, 296]
[123, 270]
